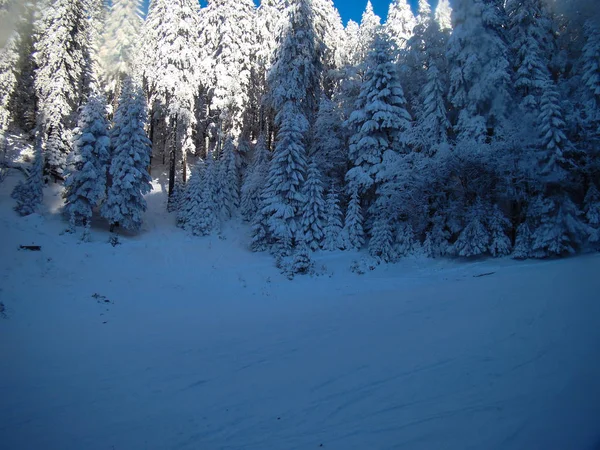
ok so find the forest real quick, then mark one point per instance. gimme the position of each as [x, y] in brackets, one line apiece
[465, 129]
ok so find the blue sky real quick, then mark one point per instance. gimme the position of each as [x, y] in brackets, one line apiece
[353, 9]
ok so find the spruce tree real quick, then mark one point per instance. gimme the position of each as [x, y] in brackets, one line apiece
[313, 210]
[400, 23]
[85, 184]
[255, 180]
[353, 233]
[229, 181]
[131, 149]
[29, 194]
[294, 83]
[443, 14]
[479, 69]
[62, 55]
[332, 232]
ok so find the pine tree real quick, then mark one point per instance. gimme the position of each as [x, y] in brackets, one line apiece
[443, 14]
[425, 13]
[198, 213]
[8, 82]
[85, 184]
[591, 61]
[433, 124]
[530, 34]
[333, 227]
[171, 71]
[592, 212]
[125, 203]
[353, 233]
[302, 263]
[558, 228]
[29, 194]
[475, 239]
[119, 43]
[369, 24]
[400, 23]
[229, 181]
[62, 56]
[228, 48]
[254, 182]
[23, 99]
[553, 140]
[380, 121]
[328, 147]
[381, 244]
[294, 83]
[479, 69]
[313, 209]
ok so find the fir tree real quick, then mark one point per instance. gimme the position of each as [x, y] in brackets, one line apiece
[125, 203]
[400, 23]
[381, 244]
[85, 184]
[29, 194]
[254, 182]
[119, 43]
[333, 227]
[380, 121]
[443, 14]
[62, 56]
[591, 61]
[229, 181]
[294, 82]
[313, 210]
[353, 233]
[479, 69]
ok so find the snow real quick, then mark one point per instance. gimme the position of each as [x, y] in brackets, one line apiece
[205, 345]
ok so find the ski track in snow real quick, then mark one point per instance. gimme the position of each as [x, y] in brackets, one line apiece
[207, 346]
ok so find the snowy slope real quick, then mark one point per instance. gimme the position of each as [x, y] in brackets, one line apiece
[173, 342]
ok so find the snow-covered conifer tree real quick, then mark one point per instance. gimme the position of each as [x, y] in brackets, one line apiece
[332, 232]
[29, 194]
[530, 34]
[228, 47]
[381, 244]
[294, 82]
[443, 14]
[62, 56]
[255, 180]
[479, 68]
[353, 233]
[380, 121]
[369, 24]
[87, 165]
[170, 65]
[125, 203]
[313, 209]
[433, 124]
[119, 43]
[400, 23]
[328, 146]
[229, 180]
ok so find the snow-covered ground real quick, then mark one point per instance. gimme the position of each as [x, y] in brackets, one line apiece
[173, 342]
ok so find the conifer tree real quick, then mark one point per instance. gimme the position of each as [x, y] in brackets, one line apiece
[294, 82]
[125, 203]
[353, 233]
[229, 181]
[333, 221]
[119, 43]
[380, 121]
[479, 68]
[400, 23]
[29, 194]
[313, 210]
[87, 168]
[255, 180]
[443, 14]
[62, 55]
[228, 47]
[170, 67]
[381, 244]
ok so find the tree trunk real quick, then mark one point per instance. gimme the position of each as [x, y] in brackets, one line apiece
[173, 158]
